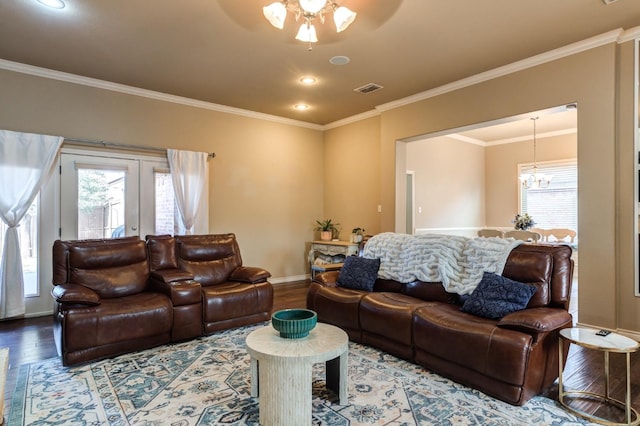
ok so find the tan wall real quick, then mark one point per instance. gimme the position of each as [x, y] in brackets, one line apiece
[588, 78]
[352, 176]
[264, 182]
[502, 173]
[628, 305]
[449, 183]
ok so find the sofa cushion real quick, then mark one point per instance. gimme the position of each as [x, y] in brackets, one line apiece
[497, 296]
[358, 273]
[111, 269]
[433, 292]
[454, 338]
[162, 252]
[533, 268]
[116, 321]
[210, 258]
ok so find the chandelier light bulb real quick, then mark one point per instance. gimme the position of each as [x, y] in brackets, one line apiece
[312, 6]
[307, 33]
[276, 13]
[535, 179]
[343, 17]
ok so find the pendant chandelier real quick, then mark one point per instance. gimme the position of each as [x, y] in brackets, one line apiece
[534, 179]
[276, 13]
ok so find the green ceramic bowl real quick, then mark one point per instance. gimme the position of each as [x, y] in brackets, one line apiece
[294, 323]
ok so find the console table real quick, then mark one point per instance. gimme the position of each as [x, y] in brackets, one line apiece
[335, 251]
[616, 343]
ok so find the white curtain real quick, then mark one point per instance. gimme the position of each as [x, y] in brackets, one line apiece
[189, 174]
[26, 161]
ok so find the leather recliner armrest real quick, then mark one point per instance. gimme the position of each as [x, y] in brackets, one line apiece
[249, 274]
[178, 285]
[75, 294]
[171, 275]
[536, 320]
[328, 278]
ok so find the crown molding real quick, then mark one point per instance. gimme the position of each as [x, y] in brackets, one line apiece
[135, 91]
[352, 119]
[552, 55]
[570, 131]
[630, 34]
[467, 139]
[618, 35]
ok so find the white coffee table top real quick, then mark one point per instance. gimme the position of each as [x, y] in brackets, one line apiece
[587, 337]
[324, 342]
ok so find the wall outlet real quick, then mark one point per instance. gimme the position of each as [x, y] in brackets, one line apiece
[379, 208]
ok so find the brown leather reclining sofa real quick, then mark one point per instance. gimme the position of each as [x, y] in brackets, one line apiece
[121, 295]
[512, 358]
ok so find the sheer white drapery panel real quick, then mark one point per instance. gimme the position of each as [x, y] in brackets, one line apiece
[26, 161]
[189, 173]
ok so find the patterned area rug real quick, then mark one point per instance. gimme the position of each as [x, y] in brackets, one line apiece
[206, 382]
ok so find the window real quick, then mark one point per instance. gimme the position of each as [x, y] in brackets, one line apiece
[166, 214]
[557, 205]
[165, 205]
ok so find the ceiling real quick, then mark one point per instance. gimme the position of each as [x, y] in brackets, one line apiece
[556, 121]
[225, 52]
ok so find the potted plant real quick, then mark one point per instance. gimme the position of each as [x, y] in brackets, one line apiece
[326, 228]
[357, 234]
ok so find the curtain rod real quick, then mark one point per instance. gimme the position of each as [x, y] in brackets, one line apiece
[88, 142]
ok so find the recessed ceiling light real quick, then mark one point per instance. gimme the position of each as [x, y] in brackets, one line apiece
[301, 107]
[340, 60]
[56, 4]
[308, 80]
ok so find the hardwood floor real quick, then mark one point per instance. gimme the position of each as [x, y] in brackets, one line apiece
[31, 340]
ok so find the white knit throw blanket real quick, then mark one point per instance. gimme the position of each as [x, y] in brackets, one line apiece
[458, 262]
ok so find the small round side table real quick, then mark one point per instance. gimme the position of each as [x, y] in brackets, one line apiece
[281, 371]
[612, 343]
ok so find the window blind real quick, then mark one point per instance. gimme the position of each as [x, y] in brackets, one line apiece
[557, 205]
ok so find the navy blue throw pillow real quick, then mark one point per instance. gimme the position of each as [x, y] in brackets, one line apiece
[358, 273]
[497, 296]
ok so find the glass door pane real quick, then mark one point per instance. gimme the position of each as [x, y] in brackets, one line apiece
[99, 197]
[101, 203]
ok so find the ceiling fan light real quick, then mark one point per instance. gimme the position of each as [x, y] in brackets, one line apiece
[312, 6]
[307, 33]
[343, 17]
[56, 4]
[275, 13]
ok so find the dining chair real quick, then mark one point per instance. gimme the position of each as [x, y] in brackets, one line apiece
[490, 233]
[561, 234]
[529, 236]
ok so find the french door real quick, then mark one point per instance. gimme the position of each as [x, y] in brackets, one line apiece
[99, 197]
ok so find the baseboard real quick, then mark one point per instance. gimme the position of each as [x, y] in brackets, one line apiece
[283, 280]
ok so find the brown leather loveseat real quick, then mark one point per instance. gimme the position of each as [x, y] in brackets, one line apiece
[115, 296]
[511, 358]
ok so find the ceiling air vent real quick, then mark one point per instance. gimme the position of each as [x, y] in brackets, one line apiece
[368, 88]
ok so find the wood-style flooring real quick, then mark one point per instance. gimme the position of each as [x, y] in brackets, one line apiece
[30, 340]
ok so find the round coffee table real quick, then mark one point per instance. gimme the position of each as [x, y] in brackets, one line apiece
[281, 371]
[616, 343]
